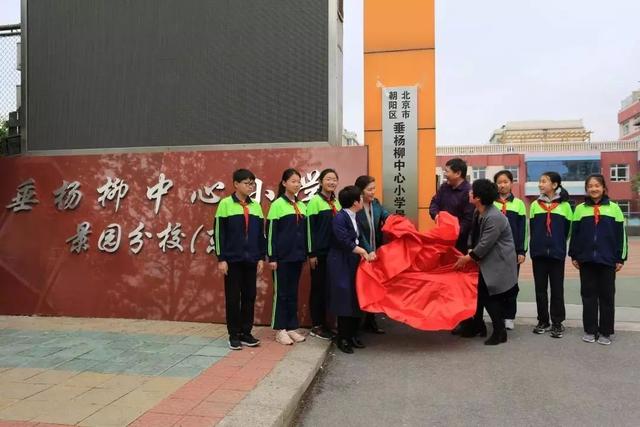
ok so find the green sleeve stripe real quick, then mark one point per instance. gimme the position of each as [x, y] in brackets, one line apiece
[270, 234]
[309, 246]
[220, 213]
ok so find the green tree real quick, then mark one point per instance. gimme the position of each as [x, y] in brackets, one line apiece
[4, 129]
[635, 183]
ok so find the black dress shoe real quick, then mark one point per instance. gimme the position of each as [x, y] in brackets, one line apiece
[370, 325]
[356, 343]
[497, 338]
[344, 345]
[470, 331]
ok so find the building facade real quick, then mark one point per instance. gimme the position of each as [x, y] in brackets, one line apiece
[616, 160]
[629, 117]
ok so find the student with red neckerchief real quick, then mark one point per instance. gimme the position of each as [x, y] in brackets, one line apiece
[550, 225]
[321, 210]
[598, 249]
[287, 251]
[516, 212]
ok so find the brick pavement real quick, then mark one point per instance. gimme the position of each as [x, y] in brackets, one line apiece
[115, 372]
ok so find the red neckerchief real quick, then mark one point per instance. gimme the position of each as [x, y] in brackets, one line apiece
[295, 208]
[245, 209]
[548, 208]
[504, 205]
[331, 202]
[596, 212]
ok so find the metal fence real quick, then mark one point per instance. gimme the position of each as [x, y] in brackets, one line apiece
[9, 70]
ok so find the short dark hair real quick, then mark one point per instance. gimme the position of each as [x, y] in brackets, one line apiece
[504, 172]
[485, 190]
[362, 181]
[242, 174]
[458, 165]
[349, 195]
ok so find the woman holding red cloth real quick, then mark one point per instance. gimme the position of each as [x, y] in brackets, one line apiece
[492, 248]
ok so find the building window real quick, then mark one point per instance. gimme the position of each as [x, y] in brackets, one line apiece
[569, 170]
[625, 207]
[619, 173]
[625, 129]
[514, 172]
[479, 172]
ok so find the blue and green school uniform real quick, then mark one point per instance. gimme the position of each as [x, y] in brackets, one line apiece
[598, 243]
[516, 212]
[240, 241]
[320, 213]
[550, 226]
[287, 245]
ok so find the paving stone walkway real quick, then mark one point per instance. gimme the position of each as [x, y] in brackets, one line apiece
[115, 372]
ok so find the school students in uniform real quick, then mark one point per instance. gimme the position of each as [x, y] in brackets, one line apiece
[287, 251]
[321, 210]
[515, 211]
[550, 225]
[240, 247]
[598, 249]
[342, 264]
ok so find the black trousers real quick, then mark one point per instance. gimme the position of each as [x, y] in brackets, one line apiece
[598, 289]
[492, 303]
[348, 326]
[240, 296]
[285, 300]
[319, 293]
[510, 303]
[549, 272]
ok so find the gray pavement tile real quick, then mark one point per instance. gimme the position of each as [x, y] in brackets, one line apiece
[41, 351]
[169, 358]
[133, 357]
[111, 367]
[182, 371]
[168, 339]
[101, 353]
[213, 351]
[48, 362]
[17, 361]
[78, 365]
[152, 347]
[195, 340]
[198, 362]
[181, 349]
[148, 368]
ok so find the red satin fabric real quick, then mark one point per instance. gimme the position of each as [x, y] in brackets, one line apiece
[413, 280]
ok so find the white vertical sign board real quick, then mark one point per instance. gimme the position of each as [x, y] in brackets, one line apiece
[400, 150]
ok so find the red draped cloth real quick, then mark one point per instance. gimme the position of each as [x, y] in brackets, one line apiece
[413, 280]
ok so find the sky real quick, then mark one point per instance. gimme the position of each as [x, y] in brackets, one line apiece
[509, 60]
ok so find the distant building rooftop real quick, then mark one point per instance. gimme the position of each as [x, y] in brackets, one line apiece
[541, 131]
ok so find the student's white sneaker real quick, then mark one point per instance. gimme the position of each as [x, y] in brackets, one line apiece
[589, 338]
[508, 323]
[296, 337]
[283, 337]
